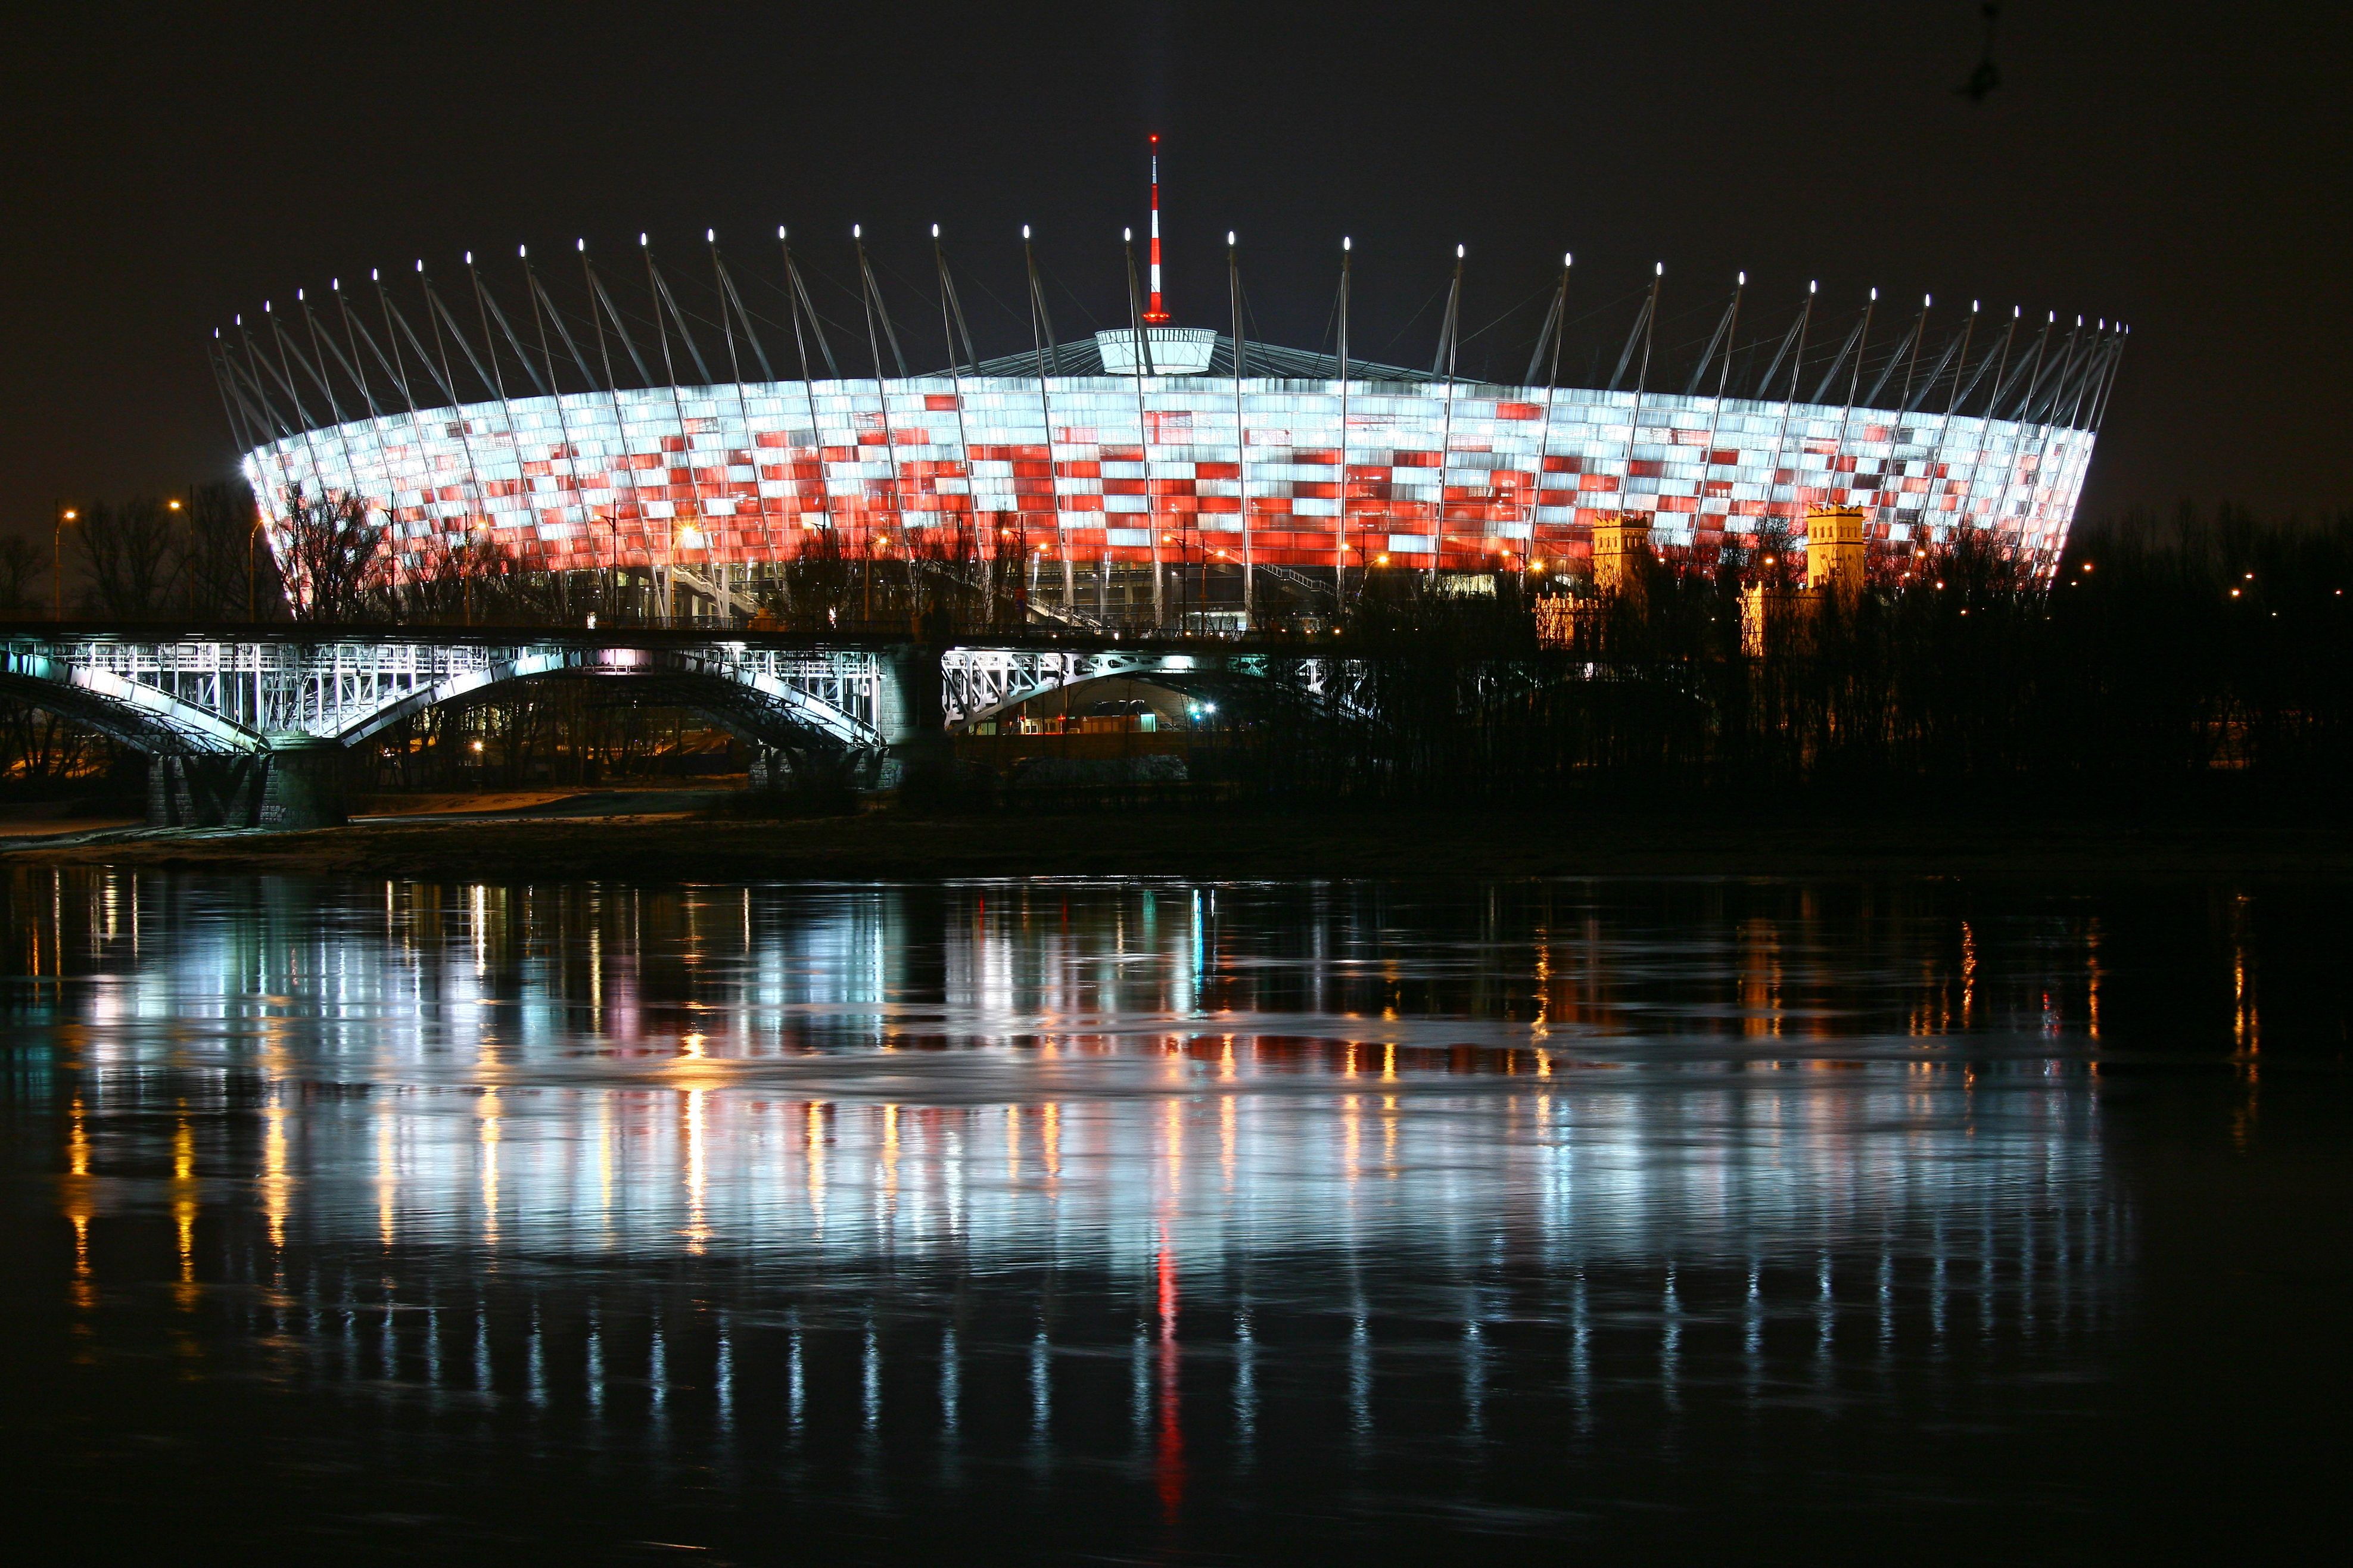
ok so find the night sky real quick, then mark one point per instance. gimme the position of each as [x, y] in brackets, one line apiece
[2186, 174]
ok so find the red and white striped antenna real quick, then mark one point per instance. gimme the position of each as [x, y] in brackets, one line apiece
[1155, 315]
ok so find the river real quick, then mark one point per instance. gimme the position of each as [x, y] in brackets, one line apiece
[1082, 1220]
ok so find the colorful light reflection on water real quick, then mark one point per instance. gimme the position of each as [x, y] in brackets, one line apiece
[1088, 1217]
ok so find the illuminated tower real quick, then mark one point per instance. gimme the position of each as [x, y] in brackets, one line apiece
[1834, 548]
[1621, 544]
[1155, 316]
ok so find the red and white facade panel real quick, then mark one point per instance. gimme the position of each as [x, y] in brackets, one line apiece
[1425, 476]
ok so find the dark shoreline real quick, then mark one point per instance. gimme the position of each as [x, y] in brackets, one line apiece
[1233, 844]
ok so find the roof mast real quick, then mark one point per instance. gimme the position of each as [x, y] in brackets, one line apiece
[1155, 316]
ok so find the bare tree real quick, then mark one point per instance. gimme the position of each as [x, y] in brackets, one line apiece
[129, 556]
[333, 559]
[21, 567]
[475, 579]
[217, 553]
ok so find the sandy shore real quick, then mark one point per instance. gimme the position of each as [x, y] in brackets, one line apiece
[677, 847]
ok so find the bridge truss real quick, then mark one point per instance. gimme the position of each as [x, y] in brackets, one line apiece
[200, 694]
[227, 694]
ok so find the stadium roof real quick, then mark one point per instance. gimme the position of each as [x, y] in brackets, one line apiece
[1270, 361]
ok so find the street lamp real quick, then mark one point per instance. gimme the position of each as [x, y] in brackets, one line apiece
[251, 614]
[65, 514]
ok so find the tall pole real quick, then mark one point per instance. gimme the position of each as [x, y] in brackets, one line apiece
[1544, 426]
[797, 301]
[310, 448]
[871, 292]
[1911, 356]
[726, 287]
[562, 428]
[1137, 364]
[678, 413]
[1789, 400]
[2001, 361]
[1241, 444]
[1450, 333]
[397, 367]
[499, 385]
[620, 426]
[1041, 336]
[1715, 414]
[465, 442]
[1853, 384]
[950, 315]
[1642, 386]
[1340, 552]
[322, 343]
[1155, 316]
[2033, 381]
[1945, 430]
[64, 515]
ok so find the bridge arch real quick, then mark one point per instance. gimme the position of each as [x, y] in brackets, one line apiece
[139, 715]
[980, 684]
[753, 702]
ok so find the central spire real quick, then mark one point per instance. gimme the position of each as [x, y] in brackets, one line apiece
[1155, 315]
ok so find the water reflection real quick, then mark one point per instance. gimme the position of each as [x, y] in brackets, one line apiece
[1169, 1207]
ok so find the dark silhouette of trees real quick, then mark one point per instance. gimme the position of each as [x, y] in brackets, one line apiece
[333, 557]
[22, 567]
[219, 545]
[129, 555]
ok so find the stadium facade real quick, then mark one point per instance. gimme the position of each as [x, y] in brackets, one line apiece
[1094, 460]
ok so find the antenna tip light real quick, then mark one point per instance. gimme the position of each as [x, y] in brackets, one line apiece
[936, 231]
[1024, 231]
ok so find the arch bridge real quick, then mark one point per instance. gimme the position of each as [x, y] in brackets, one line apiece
[249, 723]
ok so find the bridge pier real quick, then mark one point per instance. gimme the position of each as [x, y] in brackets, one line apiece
[917, 756]
[304, 784]
[205, 791]
[296, 783]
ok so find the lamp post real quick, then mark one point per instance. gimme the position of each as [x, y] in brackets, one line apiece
[65, 514]
[251, 614]
[190, 551]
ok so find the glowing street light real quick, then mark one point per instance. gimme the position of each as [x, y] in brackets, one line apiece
[65, 514]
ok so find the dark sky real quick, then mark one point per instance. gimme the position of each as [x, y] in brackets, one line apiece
[2185, 173]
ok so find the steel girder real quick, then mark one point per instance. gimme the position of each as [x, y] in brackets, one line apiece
[228, 696]
[978, 683]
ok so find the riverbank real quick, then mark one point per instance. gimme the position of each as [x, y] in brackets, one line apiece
[1224, 845]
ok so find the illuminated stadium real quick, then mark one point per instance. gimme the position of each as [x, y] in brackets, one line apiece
[611, 431]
